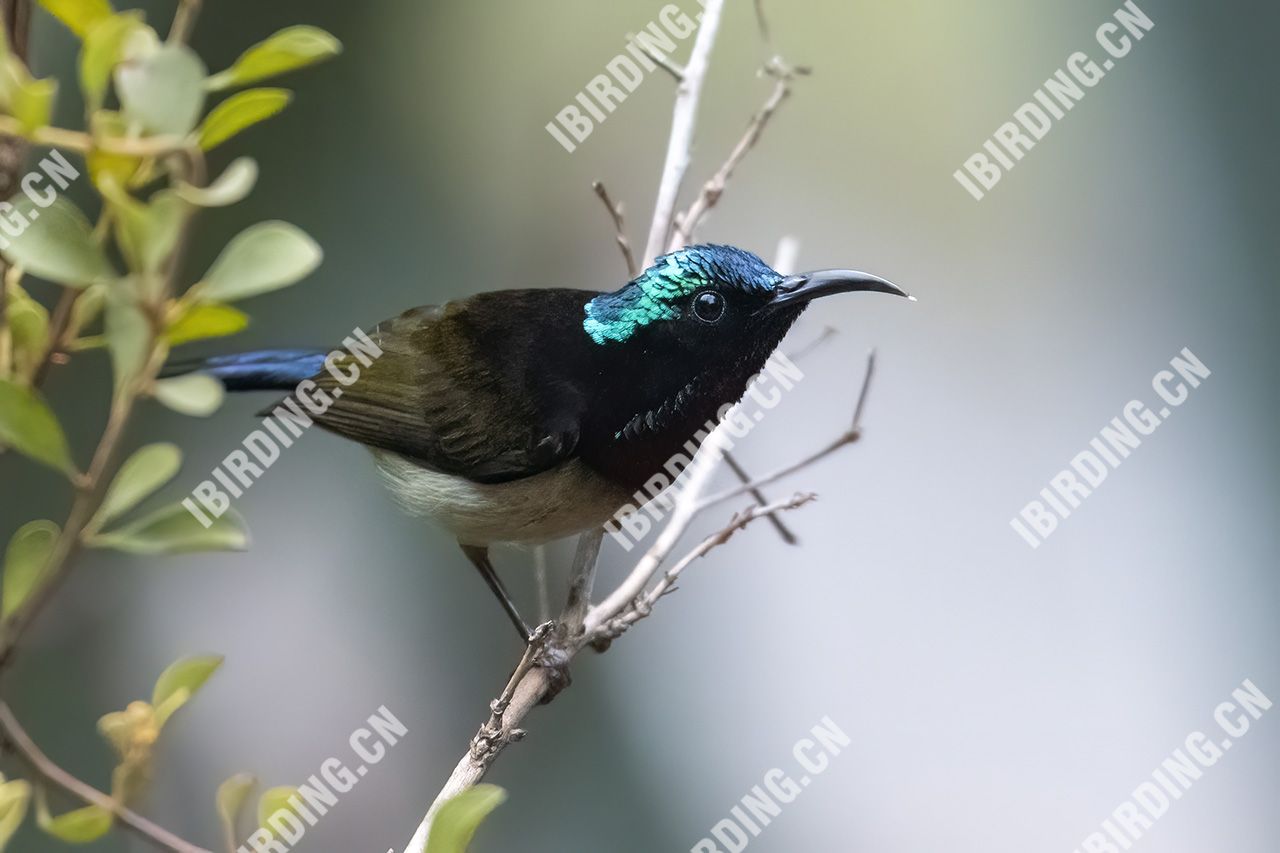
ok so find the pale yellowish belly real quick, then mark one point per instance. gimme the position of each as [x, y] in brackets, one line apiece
[552, 505]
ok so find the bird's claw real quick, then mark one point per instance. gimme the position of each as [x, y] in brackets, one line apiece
[550, 653]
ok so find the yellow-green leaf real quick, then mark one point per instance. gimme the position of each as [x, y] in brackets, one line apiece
[25, 562]
[290, 48]
[275, 800]
[206, 320]
[29, 326]
[179, 682]
[104, 47]
[140, 476]
[196, 394]
[76, 827]
[262, 258]
[54, 242]
[230, 801]
[174, 530]
[88, 307]
[164, 91]
[14, 797]
[79, 15]
[27, 99]
[241, 110]
[457, 820]
[32, 102]
[231, 186]
[30, 427]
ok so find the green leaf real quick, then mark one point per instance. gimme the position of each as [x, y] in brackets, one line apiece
[174, 530]
[206, 320]
[458, 818]
[140, 476]
[146, 233]
[56, 243]
[79, 15]
[30, 427]
[14, 797]
[241, 110]
[105, 46]
[128, 335]
[262, 258]
[231, 186]
[25, 562]
[274, 800]
[29, 326]
[180, 681]
[196, 394]
[88, 307]
[77, 827]
[163, 92]
[230, 801]
[290, 48]
[32, 102]
[27, 99]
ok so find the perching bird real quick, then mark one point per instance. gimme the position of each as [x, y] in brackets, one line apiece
[530, 415]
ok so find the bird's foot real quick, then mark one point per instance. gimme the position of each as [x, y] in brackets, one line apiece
[549, 650]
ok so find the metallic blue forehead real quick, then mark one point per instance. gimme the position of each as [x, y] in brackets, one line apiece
[655, 293]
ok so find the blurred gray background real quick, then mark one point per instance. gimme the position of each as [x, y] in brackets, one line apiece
[999, 698]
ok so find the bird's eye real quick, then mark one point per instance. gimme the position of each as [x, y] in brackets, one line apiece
[708, 306]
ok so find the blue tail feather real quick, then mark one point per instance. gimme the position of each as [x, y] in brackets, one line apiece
[262, 370]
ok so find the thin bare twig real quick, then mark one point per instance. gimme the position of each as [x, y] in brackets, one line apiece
[849, 436]
[758, 496]
[687, 222]
[658, 59]
[643, 605]
[16, 736]
[619, 227]
[683, 121]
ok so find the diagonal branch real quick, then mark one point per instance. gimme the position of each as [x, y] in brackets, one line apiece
[16, 736]
[849, 436]
[642, 606]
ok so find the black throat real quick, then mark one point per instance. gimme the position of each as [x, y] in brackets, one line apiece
[653, 399]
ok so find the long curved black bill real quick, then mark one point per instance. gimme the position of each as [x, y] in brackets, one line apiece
[811, 285]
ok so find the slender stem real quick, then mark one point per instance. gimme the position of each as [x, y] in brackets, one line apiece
[17, 736]
[184, 20]
[75, 140]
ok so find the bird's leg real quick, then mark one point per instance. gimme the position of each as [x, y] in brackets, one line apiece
[544, 646]
[479, 557]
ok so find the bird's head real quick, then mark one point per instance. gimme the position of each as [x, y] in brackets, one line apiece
[707, 298]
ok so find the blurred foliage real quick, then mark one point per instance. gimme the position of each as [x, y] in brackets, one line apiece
[460, 816]
[116, 281]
